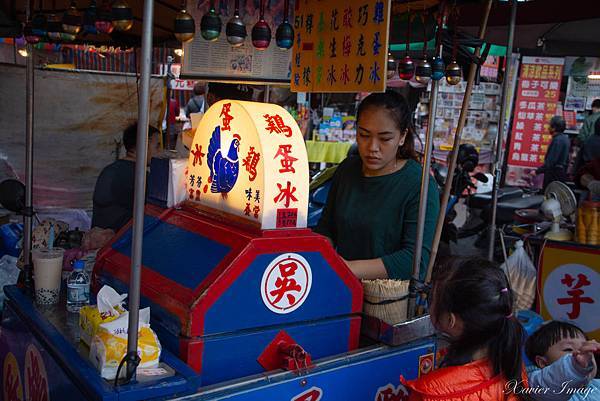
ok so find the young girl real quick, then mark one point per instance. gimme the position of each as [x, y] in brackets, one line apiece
[372, 207]
[472, 306]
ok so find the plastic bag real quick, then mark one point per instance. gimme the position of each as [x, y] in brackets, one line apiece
[109, 308]
[9, 273]
[109, 345]
[522, 276]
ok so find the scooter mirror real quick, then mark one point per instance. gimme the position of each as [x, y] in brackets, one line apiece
[481, 177]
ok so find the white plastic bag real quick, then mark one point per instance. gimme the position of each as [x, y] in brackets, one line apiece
[522, 276]
[110, 307]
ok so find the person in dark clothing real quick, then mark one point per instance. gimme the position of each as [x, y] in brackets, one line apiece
[557, 156]
[196, 103]
[113, 194]
[590, 149]
[372, 207]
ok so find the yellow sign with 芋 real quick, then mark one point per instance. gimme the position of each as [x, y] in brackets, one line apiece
[340, 46]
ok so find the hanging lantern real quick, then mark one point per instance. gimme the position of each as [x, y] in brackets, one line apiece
[122, 17]
[185, 27]
[453, 73]
[423, 68]
[261, 32]
[72, 21]
[30, 37]
[438, 68]
[236, 29]
[284, 36]
[392, 66]
[54, 27]
[423, 72]
[89, 18]
[406, 67]
[104, 19]
[210, 24]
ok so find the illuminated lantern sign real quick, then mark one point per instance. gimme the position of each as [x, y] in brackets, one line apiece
[249, 160]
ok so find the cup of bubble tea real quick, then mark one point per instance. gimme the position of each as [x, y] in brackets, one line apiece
[47, 268]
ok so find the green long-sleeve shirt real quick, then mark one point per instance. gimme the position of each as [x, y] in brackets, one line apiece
[587, 129]
[376, 217]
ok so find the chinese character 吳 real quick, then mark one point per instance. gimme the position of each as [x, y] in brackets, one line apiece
[286, 284]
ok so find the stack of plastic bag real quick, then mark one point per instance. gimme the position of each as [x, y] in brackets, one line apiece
[109, 345]
[522, 276]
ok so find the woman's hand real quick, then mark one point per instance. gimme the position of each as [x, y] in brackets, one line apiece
[367, 269]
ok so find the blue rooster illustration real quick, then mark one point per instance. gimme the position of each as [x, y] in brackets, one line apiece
[224, 169]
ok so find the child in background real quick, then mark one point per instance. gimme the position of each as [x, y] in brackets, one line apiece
[472, 305]
[566, 361]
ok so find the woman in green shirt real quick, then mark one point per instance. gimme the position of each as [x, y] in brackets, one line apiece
[372, 207]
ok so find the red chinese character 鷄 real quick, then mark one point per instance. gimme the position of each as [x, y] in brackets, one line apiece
[276, 125]
[250, 162]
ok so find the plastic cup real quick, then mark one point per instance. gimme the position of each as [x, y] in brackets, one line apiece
[47, 268]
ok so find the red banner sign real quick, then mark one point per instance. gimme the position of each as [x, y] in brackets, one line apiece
[537, 97]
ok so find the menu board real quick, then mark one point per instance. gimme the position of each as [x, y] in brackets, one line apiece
[341, 46]
[220, 61]
[537, 96]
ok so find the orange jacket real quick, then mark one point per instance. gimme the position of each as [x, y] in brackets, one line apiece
[470, 382]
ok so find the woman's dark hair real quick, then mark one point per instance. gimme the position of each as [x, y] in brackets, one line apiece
[477, 291]
[549, 334]
[398, 109]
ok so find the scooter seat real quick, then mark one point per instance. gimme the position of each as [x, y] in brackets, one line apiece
[479, 201]
[506, 209]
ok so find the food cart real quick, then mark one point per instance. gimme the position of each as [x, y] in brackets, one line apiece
[247, 303]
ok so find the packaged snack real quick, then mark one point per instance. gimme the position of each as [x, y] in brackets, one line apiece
[109, 345]
[109, 307]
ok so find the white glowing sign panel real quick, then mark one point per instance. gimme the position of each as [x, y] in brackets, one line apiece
[249, 160]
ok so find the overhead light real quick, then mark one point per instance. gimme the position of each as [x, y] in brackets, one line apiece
[178, 52]
[23, 52]
[595, 75]
[101, 55]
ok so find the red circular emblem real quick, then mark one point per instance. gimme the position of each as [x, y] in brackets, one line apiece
[286, 283]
